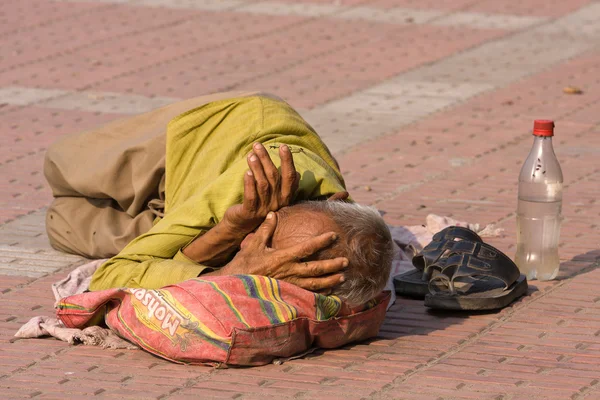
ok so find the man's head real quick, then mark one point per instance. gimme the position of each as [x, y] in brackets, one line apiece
[364, 239]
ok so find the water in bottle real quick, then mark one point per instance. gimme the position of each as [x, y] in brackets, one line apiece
[539, 207]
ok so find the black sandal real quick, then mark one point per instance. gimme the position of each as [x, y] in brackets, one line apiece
[415, 283]
[474, 276]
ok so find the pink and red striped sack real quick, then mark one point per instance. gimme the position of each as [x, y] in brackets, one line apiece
[239, 320]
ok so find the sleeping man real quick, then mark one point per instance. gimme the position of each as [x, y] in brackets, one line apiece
[240, 184]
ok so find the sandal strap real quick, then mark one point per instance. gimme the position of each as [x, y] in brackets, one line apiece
[482, 260]
[452, 232]
[442, 242]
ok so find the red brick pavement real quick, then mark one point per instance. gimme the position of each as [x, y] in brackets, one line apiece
[462, 162]
[19, 16]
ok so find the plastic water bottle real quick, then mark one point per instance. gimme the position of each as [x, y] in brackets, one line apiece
[539, 207]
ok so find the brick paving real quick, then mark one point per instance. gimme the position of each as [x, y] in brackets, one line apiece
[426, 104]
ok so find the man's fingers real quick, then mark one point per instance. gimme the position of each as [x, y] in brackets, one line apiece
[319, 284]
[265, 231]
[262, 184]
[312, 269]
[288, 175]
[270, 171]
[310, 247]
[250, 198]
[339, 196]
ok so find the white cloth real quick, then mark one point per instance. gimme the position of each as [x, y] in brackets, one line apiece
[78, 281]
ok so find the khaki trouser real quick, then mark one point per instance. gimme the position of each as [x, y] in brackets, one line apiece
[104, 179]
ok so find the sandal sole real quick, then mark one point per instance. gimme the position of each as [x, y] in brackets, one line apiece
[411, 284]
[480, 300]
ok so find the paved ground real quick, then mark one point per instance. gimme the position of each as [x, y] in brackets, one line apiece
[427, 104]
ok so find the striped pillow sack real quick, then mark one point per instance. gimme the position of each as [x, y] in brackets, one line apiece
[238, 320]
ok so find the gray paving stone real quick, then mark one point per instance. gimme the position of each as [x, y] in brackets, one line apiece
[488, 21]
[405, 87]
[503, 61]
[108, 102]
[212, 5]
[209, 5]
[20, 262]
[341, 130]
[41, 255]
[397, 15]
[25, 250]
[33, 221]
[29, 229]
[581, 24]
[378, 105]
[19, 265]
[22, 96]
[302, 9]
[114, 103]
[17, 272]
[6, 250]
[10, 237]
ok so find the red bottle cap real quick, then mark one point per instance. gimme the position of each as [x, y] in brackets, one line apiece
[543, 127]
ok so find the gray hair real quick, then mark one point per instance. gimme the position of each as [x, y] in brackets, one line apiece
[366, 242]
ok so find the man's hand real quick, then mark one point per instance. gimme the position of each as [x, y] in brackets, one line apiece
[339, 196]
[265, 189]
[256, 258]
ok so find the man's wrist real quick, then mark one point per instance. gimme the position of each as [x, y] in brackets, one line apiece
[215, 246]
[234, 231]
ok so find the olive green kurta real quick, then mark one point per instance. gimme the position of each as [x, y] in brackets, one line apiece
[205, 165]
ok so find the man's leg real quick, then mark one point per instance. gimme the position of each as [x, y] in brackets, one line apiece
[103, 180]
[93, 228]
